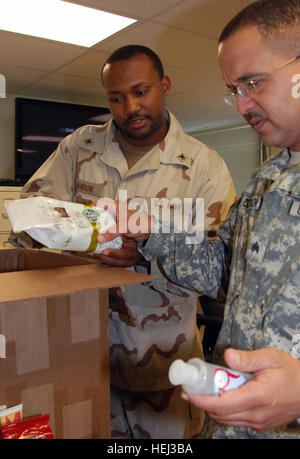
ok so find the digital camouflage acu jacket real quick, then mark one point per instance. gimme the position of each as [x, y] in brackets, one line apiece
[257, 255]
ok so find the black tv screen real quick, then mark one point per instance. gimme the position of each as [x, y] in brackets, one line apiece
[40, 126]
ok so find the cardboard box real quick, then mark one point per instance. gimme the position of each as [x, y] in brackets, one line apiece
[54, 320]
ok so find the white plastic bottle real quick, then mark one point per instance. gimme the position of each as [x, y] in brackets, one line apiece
[199, 377]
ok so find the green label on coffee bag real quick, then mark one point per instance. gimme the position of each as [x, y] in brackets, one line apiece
[92, 215]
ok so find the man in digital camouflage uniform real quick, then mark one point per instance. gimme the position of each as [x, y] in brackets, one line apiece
[258, 244]
[143, 152]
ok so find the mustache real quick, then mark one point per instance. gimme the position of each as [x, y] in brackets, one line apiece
[136, 115]
[253, 116]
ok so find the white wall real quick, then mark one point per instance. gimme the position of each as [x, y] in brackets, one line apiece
[239, 146]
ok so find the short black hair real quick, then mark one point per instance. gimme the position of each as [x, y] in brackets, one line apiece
[275, 19]
[128, 51]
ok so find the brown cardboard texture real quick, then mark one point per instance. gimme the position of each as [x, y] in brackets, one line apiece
[54, 320]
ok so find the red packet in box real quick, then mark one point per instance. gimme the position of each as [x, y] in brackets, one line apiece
[31, 428]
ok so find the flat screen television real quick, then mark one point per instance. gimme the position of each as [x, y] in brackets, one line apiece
[40, 125]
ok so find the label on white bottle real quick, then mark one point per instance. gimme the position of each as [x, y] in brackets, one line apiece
[225, 379]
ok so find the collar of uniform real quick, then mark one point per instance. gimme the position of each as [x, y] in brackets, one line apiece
[174, 147]
[274, 166]
[102, 139]
[284, 177]
[114, 157]
[171, 150]
[148, 162]
[289, 181]
[112, 154]
[91, 137]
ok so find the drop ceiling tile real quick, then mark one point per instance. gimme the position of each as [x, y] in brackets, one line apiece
[186, 80]
[205, 17]
[17, 77]
[188, 51]
[68, 88]
[34, 53]
[88, 65]
[133, 8]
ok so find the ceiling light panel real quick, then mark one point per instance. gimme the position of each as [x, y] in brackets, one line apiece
[60, 21]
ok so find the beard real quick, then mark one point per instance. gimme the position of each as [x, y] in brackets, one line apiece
[154, 126]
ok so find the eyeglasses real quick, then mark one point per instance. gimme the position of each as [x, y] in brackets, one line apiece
[251, 86]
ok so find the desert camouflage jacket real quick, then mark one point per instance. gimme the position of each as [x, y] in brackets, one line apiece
[257, 253]
[150, 324]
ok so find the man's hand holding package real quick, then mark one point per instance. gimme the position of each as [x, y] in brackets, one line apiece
[133, 224]
[127, 255]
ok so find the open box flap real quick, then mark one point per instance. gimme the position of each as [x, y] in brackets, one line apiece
[25, 285]
[58, 279]
[20, 259]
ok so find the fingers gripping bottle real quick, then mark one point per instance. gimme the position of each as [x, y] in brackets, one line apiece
[199, 377]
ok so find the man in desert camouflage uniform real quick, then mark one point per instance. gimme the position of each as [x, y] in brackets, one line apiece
[143, 152]
[257, 247]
